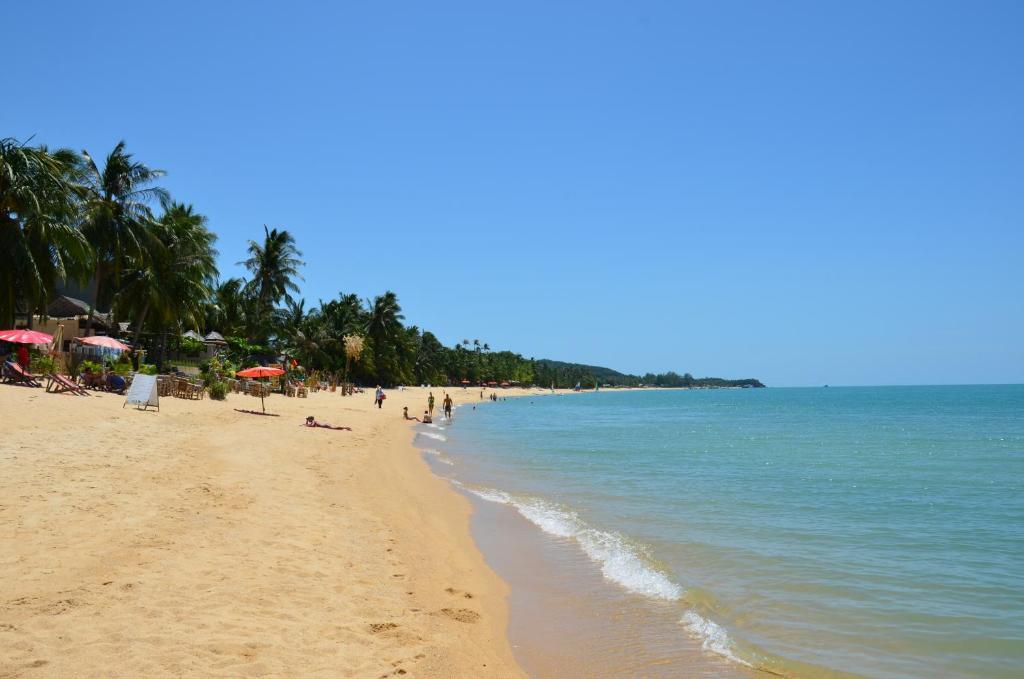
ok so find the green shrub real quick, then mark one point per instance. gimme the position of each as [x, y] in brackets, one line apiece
[147, 369]
[42, 365]
[218, 390]
[190, 346]
[91, 365]
[74, 360]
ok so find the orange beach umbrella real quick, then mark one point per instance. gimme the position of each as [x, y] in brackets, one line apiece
[260, 371]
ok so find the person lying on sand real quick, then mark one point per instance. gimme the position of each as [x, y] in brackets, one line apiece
[311, 422]
[405, 414]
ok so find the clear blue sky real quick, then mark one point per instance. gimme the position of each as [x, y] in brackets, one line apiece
[805, 192]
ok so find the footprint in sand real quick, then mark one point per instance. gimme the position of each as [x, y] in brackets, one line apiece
[454, 592]
[460, 614]
[378, 627]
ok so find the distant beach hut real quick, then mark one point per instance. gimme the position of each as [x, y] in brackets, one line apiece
[505, 384]
[214, 337]
[192, 334]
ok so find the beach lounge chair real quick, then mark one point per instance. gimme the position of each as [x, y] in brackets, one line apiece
[116, 384]
[14, 373]
[62, 384]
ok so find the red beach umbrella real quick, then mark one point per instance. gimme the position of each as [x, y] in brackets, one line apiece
[25, 337]
[104, 341]
[260, 371]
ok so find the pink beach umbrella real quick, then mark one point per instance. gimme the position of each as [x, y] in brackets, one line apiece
[25, 337]
[104, 341]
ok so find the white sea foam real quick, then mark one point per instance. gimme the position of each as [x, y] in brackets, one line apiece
[714, 638]
[620, 561]
[440, 458]
[434, 435]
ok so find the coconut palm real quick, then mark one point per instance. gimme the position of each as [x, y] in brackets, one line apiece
[116, 217]
[274, 265]
[175, 281]
[40, 243]
[387, 339]
[228, 306]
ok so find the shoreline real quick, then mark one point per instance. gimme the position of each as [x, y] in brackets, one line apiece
[207, 542]
[565, 616]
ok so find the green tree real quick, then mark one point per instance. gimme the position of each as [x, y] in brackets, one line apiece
[117, 217]
[274, 266]
[40, 242]
[227, 310]
[173, 284]
[385, 333]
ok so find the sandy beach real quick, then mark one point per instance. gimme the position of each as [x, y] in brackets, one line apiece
[202, 541]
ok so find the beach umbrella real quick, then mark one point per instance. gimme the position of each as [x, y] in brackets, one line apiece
[25, 337]
[260, 371]
[465, 381]
[104, 341]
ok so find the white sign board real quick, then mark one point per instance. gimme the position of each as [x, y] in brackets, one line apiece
[143, 392]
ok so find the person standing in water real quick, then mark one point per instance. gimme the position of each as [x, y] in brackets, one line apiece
[448, 406]
[430, 403]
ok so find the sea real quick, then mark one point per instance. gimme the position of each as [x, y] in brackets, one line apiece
[798, 532]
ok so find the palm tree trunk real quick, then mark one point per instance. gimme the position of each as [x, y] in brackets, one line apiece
[138, 326]
[93, 301]
[162, 339]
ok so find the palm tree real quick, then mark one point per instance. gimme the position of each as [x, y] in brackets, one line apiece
[175, 281]
[117, 217]
[274, 266]
[385, 316]
[384, 329]
[226, 310]
[39, 238]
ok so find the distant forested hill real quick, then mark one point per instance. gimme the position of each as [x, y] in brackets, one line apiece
[561, 373]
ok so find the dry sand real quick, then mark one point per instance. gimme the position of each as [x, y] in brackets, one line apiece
[201, 541]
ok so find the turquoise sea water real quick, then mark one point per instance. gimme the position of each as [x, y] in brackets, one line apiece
[875, 531]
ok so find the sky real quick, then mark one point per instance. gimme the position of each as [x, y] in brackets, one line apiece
[808, 193]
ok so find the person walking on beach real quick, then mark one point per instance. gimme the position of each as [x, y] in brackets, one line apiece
[430, 403]
[448, 406]
[379, 396]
